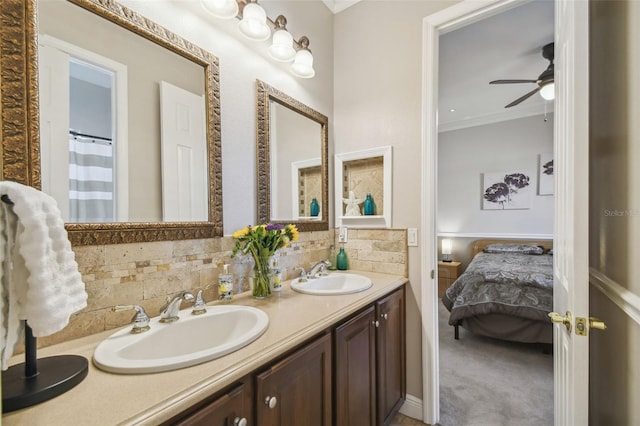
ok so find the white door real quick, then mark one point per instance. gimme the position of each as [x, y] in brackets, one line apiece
[184, 155]
[571, 245]
[571, 220]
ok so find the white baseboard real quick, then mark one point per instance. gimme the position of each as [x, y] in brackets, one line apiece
[412, 407]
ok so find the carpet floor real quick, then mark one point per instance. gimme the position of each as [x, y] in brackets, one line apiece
[490, 382]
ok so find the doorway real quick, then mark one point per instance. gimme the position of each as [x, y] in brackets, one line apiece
[436, 25]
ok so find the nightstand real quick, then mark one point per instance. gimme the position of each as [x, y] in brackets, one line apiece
[447, 273]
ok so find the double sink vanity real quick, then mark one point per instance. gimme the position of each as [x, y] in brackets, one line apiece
[328, 359]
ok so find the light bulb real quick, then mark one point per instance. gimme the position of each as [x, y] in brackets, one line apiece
[223, 9]
[281, 48]
[548, 91]
[254, 22]
[303, 64]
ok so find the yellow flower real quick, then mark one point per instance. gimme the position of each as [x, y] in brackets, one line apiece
[294, 232]
[255, 228]
[241, 232]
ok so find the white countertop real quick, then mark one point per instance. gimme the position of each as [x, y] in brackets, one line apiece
[148, 399]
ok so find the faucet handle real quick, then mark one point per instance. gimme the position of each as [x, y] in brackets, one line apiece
[199, 306]
[303, 274]
[140, 319]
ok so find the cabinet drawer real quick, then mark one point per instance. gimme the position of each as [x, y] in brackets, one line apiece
[445, 273]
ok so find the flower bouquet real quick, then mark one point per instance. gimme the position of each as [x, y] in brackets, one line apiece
[261, 242]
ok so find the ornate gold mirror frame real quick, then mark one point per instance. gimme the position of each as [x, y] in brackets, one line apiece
[20, 133]
[265, 94]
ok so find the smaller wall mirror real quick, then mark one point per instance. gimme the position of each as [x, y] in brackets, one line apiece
[292, 161]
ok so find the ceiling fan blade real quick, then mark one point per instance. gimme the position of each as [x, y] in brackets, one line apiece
[522, 98]
[512, 81]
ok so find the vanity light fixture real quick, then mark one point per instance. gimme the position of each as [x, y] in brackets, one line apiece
[303, 63]
[256, 25]
[281, 48]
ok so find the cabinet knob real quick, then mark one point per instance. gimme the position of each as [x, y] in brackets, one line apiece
[240, 421]
[385, 316]
[376, 323]
[270, 401]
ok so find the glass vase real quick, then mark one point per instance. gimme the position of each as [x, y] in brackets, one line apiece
[261, 277]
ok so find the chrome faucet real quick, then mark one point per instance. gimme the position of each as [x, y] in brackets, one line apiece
[169, 312]
[319, 269]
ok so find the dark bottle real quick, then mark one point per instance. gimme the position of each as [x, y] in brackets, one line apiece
[341, 260]
[369, 206]
[314, 208]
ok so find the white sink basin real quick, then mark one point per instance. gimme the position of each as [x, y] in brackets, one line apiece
[333, 284]
[191, 340]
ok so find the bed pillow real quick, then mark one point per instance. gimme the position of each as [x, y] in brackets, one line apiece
[513, 248]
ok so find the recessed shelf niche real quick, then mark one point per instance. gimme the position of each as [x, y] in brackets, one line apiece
[364, 172]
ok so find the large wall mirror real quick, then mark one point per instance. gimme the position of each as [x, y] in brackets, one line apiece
[292, 161]
[114, 116]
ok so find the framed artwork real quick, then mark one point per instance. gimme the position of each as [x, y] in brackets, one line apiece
[545, 174]
[506, 190]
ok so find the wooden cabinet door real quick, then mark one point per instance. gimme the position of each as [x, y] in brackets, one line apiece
[231, 409]
[355, 375]
[391, 374]
[297, 390]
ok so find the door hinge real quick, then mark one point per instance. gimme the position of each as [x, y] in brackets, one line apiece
[433, 274]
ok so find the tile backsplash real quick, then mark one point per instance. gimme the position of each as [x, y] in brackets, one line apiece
[147, 273]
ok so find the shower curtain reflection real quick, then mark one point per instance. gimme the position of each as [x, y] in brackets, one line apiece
[90, 178]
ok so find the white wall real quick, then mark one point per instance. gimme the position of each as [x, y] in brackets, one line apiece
[241, 63]
[465, 154]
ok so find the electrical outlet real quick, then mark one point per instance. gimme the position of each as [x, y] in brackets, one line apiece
[412, 237]
[342, 234]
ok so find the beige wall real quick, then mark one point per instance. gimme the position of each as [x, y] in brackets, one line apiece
[378, 63]
[615, 209]
[242, 62]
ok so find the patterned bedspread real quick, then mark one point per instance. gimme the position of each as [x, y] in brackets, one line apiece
[503, 283]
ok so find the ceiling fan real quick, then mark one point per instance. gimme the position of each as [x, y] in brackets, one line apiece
[544, 80]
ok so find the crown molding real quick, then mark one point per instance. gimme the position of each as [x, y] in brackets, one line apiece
[496, 117]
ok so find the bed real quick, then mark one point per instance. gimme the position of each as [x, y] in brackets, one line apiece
[506, 292]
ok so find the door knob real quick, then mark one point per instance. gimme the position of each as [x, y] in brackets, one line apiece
[560, 319]
[597, 323]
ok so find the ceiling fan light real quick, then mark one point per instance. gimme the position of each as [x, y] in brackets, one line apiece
[254, 22]
[223, 9]
[548, 91]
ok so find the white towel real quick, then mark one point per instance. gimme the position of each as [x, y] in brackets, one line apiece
[40, 278]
